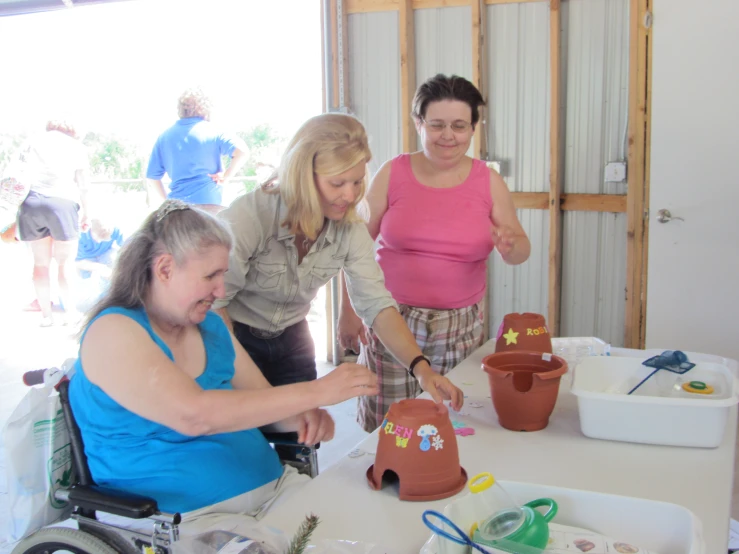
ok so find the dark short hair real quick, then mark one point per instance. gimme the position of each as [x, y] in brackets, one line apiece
[441, 87]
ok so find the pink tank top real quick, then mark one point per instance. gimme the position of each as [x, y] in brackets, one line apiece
[435, 242]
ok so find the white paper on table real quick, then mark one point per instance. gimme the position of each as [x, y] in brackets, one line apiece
[564, 539]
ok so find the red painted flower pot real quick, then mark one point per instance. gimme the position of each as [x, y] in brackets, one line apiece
[527, 332]
[524, 387]
[417, 443]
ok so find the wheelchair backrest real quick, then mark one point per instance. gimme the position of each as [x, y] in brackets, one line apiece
[79, 459]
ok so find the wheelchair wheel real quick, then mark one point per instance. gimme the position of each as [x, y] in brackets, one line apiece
[62, 539]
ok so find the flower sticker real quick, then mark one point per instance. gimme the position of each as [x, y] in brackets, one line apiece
[426, 431]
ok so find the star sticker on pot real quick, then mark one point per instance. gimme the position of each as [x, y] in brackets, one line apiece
[510, 337]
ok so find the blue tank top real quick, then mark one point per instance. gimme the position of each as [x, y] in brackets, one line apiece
[182, 473]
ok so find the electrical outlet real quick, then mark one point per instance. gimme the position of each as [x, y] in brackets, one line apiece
[615, 172]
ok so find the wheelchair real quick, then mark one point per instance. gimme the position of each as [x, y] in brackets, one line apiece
[85, 498]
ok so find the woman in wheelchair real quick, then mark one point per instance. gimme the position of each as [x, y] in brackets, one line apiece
[168, 403]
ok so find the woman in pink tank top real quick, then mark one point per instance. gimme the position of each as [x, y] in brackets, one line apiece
[439, 214]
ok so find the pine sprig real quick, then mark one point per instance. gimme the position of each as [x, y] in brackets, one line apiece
[301, 538]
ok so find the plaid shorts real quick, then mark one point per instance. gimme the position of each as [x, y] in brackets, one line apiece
[446, 337]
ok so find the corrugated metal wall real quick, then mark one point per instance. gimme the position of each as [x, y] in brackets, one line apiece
[443, 44]
[595, 74]
[595, 58]
[374, 81]
[518, 137]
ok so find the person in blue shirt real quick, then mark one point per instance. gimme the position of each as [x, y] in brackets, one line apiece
[191, 152]
[97, 249]
[168, 403]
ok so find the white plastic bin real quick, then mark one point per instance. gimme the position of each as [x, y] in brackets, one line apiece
[607, 412]
[657, 526]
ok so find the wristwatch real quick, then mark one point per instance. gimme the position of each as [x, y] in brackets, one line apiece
[415, 362]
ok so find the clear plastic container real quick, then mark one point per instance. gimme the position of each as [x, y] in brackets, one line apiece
[499, 515]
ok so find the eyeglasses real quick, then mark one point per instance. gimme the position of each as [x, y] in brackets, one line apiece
[437, 125]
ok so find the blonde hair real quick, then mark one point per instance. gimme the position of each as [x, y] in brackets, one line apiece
[326, 145]
[193, 103]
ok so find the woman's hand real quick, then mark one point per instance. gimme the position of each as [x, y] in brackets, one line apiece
[504, 239]
[439, 387]
[315, 426]
[217, 177]
[351, 331]
[345, 382]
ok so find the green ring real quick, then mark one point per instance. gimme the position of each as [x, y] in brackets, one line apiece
[697, 385]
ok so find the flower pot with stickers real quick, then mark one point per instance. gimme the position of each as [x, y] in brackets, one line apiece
[527, 331]
[417, 445]
[524, 387]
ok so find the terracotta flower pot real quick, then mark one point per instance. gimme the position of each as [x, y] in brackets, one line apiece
[417, 443]
[524, 387]
[526, 332]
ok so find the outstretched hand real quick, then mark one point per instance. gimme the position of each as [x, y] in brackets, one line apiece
[440, 388]
[347, 381]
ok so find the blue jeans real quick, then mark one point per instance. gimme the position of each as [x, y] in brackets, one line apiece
[289, 357]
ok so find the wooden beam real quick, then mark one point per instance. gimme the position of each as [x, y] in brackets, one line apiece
[512, 1]
[555, 181]
[637, 198]
[334, 29]
[345, 53]
[365, 6]
[324, 92]
[612, 203]
[420, 4]
[478, 65]
[407, 75]
[328, 306]
[479, 143]
[531, 200]
[608, 203]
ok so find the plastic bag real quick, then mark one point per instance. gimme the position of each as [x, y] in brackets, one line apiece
[39, 461]
[225, 542]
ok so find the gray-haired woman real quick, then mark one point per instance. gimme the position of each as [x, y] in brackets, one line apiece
[168, 403]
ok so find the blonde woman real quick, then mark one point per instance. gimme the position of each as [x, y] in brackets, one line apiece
[290, 239]
[191, 152]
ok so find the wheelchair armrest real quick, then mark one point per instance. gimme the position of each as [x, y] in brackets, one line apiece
[92, 497]
[287, 439]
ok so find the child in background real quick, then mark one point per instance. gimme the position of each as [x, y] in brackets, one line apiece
[96, 254]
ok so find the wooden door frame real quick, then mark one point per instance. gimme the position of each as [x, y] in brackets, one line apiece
[637, 197]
